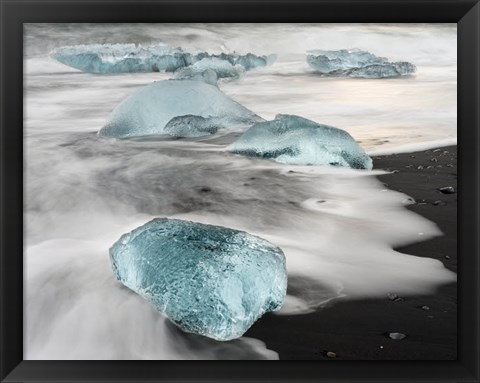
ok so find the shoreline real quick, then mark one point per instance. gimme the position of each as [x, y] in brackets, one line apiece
[358, 329]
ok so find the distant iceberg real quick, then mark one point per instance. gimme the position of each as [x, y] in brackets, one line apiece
[121, 58]
[208, 280]
[124, 58]
[181, 108]
[295, 140]
[356, 63]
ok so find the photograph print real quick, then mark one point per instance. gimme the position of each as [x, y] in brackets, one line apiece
[240, 191]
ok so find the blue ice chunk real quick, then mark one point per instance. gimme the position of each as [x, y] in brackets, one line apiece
[208, 76]
[208, 280]
[147, 111]
[356, 63]
[295, 140]
[120, 58]
[248, 61]
[191, 126]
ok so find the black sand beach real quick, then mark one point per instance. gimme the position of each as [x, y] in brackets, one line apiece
[358, 330]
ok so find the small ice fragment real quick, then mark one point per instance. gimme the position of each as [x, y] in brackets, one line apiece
[291, 139]
[122, 58]
[356, 63]
[190, 126]
[222, 69]
[397, 335]
[167, 107]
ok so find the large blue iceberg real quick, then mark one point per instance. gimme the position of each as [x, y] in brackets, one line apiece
[151, 109]
[356, 63]
[208, 280]
[295, 140]
[121, 58]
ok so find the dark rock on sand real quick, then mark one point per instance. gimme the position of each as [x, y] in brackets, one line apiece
[397, 336]
[447, 190]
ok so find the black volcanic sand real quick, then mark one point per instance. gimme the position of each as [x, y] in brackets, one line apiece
[358, 329]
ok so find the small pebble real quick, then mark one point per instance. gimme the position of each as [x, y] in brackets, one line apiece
[425, 308]
[433, 160]
[447, 257]
[437, 150]
[447, 190]
[392, 296]
[397, 336]
[439, 203]
[420, 167]
[331, 354]
[412, 156]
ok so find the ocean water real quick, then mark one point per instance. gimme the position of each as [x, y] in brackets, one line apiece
[337, 227]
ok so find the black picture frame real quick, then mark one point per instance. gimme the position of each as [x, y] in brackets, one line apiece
[466, 13]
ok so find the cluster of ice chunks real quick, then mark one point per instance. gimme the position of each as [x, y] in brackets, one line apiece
[121, 58]
[356, 63]
[295, 140]
[208, 280]
[181, 108]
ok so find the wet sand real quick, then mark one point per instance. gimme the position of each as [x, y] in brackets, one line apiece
[358, 330]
